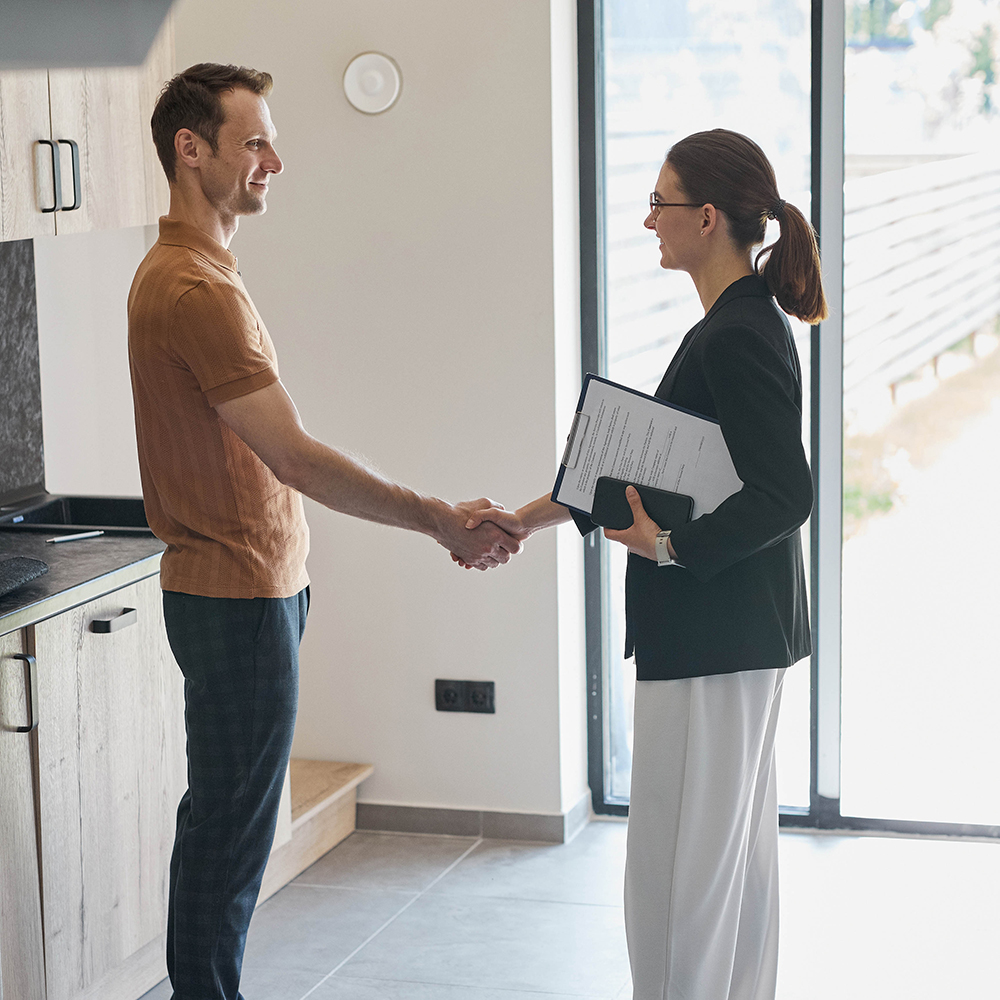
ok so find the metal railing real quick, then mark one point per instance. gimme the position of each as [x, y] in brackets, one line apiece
[921, 265]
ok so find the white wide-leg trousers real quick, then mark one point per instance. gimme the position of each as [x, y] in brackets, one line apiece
[701, 875]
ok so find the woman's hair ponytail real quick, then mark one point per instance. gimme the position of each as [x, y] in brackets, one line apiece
[731, 172]
[791, 267]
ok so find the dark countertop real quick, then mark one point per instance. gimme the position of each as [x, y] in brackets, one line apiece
[78, 571]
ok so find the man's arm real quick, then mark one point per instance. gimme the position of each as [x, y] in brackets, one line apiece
[268, 422]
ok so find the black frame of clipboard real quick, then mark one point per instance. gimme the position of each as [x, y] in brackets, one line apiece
[823, 813]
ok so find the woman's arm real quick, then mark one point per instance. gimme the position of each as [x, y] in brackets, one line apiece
[543, 513]
[520, 523]
[756, 398]
[526, 520]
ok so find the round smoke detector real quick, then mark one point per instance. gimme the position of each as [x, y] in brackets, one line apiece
[372, 82]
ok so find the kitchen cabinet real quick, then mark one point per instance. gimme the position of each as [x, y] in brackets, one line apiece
[105, 113]
[111, 769]
[24, 119]
[88, 798]
[21, 963]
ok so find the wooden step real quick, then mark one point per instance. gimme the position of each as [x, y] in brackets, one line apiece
[316, 784]
[323, 808]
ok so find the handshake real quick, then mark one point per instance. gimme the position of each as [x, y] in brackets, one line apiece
[481, 534]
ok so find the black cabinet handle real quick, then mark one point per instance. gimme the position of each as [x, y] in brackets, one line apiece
[56, 176]
[129, 616]
[77, 190]
[32, 692]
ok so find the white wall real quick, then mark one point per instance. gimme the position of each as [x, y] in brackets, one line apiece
[418, 273]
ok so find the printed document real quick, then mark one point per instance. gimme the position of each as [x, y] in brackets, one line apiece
[625, 434]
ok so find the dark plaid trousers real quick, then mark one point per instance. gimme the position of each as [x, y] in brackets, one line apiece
[240, 660]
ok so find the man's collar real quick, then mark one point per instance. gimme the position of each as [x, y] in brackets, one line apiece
[182, 234]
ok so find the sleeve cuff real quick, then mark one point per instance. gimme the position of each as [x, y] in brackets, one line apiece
[583, 523]
[241, 386]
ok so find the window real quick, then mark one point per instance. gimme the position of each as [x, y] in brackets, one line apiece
[888, 179]
[921, 412]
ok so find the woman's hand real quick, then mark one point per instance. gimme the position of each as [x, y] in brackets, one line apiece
[509, 520]
[641, 537]
[520, 523]
[489, 511]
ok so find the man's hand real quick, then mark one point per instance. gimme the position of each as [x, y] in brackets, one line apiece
[482, 547]
[509, 520]
[641, 537]
[487, 515]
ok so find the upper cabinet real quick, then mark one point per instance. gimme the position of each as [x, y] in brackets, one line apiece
[24, 122]
[75, 148]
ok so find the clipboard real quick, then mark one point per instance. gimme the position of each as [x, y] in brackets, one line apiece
[621, 433]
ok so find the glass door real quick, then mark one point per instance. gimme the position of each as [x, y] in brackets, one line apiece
[672, 67]
[921, 546]
[889, 112]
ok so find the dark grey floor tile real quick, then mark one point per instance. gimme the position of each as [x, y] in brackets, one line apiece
[504, 944]
[368, 860]
[259, 984]
[309, 930]
[338, 988]
[589, 869]
[277, 984]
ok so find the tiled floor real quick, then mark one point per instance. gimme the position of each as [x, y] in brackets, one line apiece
[401, 917]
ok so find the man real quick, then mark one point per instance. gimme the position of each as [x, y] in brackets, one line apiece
[224, 460]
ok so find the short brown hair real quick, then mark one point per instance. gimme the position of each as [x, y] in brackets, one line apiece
[193, 100]
[731, 172]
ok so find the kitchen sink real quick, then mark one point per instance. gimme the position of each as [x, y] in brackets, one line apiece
[123, 515]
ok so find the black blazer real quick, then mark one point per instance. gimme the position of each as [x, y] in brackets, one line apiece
[739, 602]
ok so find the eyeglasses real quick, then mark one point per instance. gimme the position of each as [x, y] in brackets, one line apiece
[655, 204]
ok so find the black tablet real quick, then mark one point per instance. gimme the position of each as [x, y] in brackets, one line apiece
[611, 508]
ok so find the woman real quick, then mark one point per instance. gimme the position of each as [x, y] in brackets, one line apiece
[716, 610]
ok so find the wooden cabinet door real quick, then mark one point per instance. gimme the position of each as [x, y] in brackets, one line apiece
[22, 972]
[25, 168]
[99, 109]
[111, 772]
[106, 112]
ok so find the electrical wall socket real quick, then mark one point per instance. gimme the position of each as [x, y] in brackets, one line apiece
[464, 696]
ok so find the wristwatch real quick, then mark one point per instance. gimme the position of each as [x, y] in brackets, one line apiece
[663, 557]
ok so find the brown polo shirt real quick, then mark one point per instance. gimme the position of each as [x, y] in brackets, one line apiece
[195, 340]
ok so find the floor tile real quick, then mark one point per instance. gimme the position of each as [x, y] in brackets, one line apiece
[589, 869]
[161, 991]
[625, 993]
[863, 917]
[507, 944]
[308, 930]
[338, 988]
[386, 861]
[258, 984]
